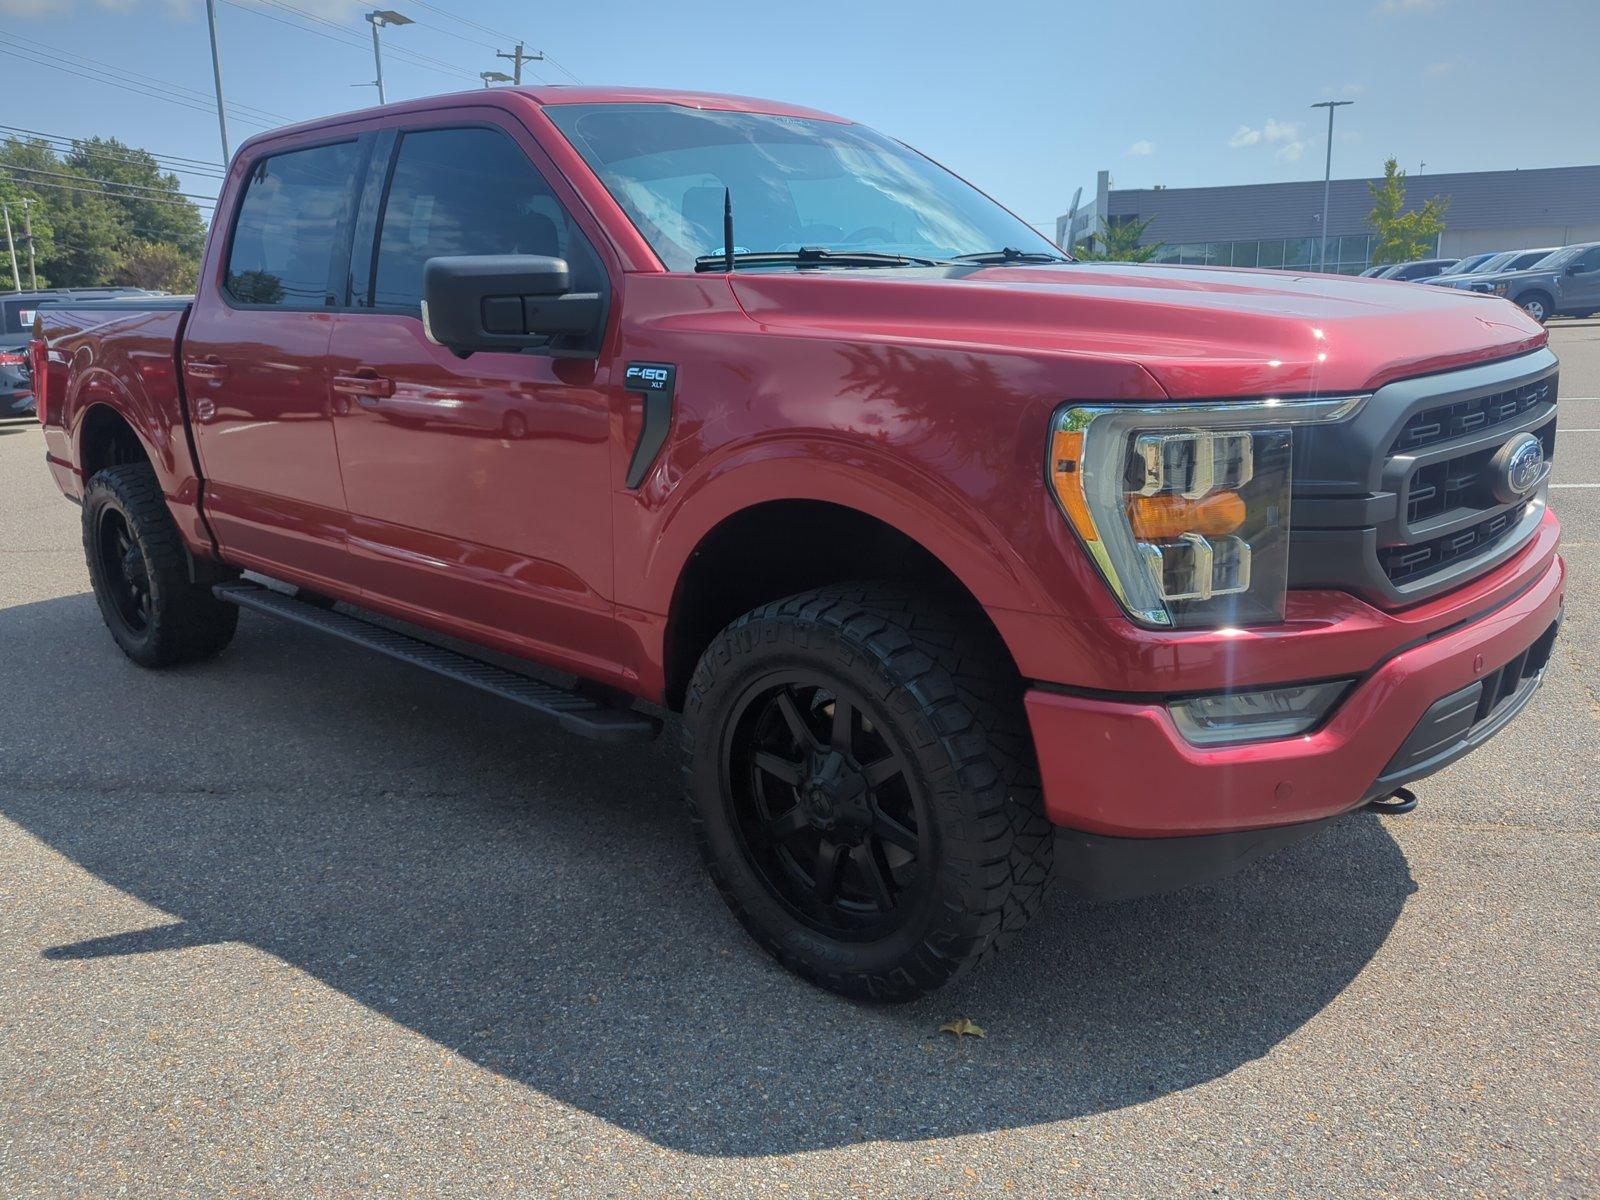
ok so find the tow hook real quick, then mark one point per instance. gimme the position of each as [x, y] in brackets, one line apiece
[1401, 800]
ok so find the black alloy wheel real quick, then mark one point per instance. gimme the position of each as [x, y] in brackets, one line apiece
[125, 572]
[825, 805]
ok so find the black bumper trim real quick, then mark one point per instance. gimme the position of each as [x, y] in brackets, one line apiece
[1096, 867]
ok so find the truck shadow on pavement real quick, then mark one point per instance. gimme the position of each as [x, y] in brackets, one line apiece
[534, 903]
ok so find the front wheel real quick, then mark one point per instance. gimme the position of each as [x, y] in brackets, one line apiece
[1536, 305]
[864, 790]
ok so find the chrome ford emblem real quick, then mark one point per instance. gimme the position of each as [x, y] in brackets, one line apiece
[1517, 468]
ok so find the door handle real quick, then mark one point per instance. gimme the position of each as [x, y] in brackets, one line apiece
[365, 386]
[208, 368]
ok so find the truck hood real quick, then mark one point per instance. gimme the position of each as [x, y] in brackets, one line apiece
[1200, 331]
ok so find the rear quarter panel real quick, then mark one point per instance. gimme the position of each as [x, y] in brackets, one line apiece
[124, 359]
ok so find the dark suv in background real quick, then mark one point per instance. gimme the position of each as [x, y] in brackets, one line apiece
[16, 324]
[1564, 283]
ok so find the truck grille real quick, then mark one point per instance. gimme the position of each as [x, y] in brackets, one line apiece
[1470, 416]
[1403, 501]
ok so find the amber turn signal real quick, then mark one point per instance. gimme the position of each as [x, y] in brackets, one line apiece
[1066, 476]
[1166, 517]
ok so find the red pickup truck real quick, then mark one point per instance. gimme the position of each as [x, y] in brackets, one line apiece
[961, 560]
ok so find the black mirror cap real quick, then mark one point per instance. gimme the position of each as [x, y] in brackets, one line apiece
[509, 303]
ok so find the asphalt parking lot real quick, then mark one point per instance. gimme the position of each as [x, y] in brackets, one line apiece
[303, 922]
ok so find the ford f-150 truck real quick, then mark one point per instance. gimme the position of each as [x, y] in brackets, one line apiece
[962, 561]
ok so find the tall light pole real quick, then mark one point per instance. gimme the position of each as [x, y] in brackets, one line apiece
[490, 78]
[1327, 179]
[378, 18]
[216, 74]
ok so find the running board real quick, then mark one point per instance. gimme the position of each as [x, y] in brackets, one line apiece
[573, 711]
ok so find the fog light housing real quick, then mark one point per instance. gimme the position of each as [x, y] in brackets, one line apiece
[1228, 718]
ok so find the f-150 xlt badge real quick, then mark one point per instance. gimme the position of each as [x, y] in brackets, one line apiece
[656, 381]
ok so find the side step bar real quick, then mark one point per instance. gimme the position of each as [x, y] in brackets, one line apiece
[574, 712]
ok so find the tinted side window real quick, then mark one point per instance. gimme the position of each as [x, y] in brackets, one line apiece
[469, 191]
[289, 226]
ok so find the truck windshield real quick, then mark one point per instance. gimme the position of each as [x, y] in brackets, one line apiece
[795, 183]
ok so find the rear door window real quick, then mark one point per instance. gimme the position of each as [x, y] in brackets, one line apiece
[468, 191]
[291, 226]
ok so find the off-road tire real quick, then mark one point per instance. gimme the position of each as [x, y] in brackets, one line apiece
[185, 622]
[945, 690]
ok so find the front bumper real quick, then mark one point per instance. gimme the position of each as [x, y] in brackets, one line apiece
[1119, 769]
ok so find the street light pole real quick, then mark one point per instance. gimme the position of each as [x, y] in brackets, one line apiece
[378, 18]
[216, 74]
[1327, 179]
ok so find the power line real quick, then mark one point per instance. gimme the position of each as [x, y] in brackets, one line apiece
[63, 144]
[348, 37]
[132, 76]
[138, 90]
[143, 187]
[499, 33]
[95, 191]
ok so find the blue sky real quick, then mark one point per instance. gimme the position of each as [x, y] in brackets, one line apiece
[1028, 99]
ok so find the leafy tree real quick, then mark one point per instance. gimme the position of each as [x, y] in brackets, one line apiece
[156, 265]
[85, 224]
[1118, 243]
[1402, 236]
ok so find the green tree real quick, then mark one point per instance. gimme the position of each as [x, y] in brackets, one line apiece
[1118, 243]
[159, 266]
[1402, 236]
[101, 202]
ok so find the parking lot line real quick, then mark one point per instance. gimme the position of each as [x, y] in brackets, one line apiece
[1575, 485]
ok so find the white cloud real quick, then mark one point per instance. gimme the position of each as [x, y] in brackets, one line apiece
[1448, 66]
[1140, 149]
[1284, 135]
[1344, 90]
[1398, 8]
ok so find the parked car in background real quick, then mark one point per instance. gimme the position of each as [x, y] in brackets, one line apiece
[1465, 266]
[1422, 268]
[1375, 270]
[1563, 283]
[17, 311]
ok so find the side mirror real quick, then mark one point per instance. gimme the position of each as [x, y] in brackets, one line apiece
[510, 303]
[1576, 268]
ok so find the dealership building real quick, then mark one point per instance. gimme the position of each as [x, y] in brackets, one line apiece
[1280, 224]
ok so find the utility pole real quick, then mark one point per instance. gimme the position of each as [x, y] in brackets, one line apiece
[16, 276]
[1327, 178]
[517, 57]
[27, 233]
[216, 75]
[378, 18]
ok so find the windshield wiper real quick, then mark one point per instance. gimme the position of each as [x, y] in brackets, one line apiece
[1010, 254]
[811, 256]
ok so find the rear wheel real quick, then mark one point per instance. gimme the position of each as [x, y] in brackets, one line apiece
[140, 574]
[1537, 305]
[864, 789]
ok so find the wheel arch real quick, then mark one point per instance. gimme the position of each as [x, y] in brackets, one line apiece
[777, 547]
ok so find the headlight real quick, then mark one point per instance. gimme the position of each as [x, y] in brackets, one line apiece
[1500, 289]
[1185, 507]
